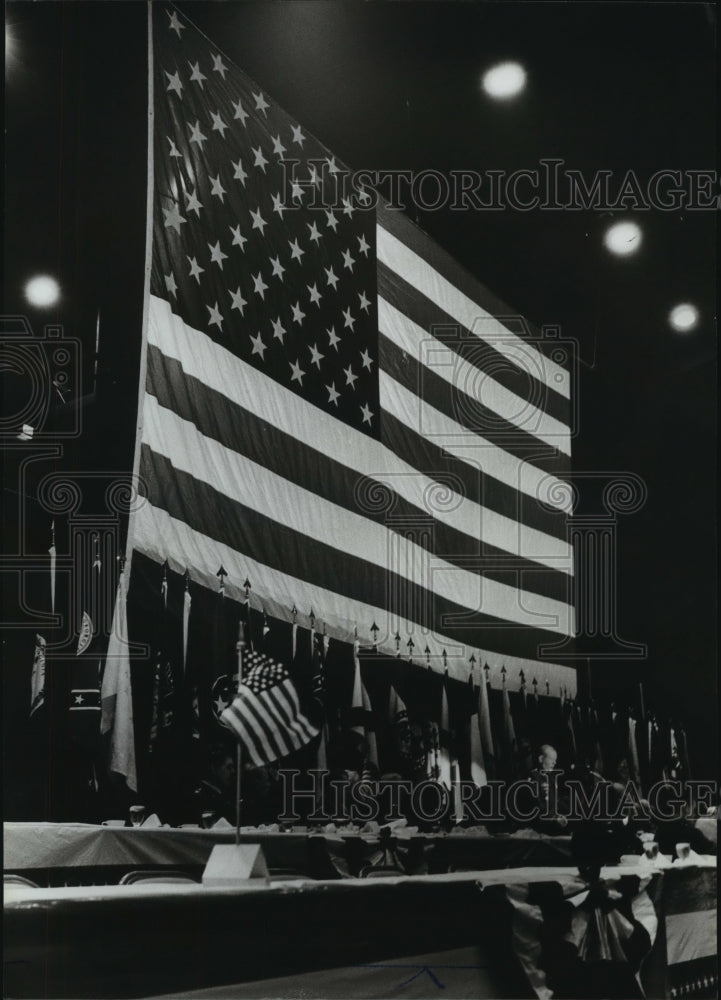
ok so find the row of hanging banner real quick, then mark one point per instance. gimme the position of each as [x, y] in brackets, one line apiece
[171, 679]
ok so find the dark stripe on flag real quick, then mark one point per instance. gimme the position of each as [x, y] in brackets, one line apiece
[260, 538]
[435, 322]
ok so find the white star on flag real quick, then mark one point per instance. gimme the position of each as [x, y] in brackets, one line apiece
[238, 239]
[174, 83]
[239, 112]
[260, 160]
[239, 173]
[216, 187]
[196, 75]
[258, 220]
[196, 135]
[193, 205]
[238, 301]
[195, 269]
[261, 104]
[216, 255]
[219, 66]
[173, 218]
[218, 124]
[215, 316]
[259, 286]
[258, 345]
[175, 24]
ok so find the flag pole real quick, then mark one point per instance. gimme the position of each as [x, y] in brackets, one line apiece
[641, 704]
[240, 646]
[142, 368]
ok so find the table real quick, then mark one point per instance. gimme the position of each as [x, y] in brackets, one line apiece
[57, 853]
[331, 938]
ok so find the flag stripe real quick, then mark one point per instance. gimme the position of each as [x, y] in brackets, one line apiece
[162, 536]
[284, 547]
[468, 413]
[523, 379]
[234, 717]
[238, 480]
[418, 273]
[218, 368]
[243, 431]
[418, 413]
[495, 498]
[260, 716]
[501, 415]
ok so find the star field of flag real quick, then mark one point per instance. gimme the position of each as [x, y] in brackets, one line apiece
[243, 248]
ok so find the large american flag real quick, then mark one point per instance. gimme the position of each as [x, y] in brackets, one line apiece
[332, 407]
[265, 714]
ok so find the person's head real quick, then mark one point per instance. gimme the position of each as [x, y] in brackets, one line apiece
[547, 757]
[222, 768]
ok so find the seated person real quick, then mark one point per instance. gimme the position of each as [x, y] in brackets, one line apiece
[546, 777]
[216, 793]
[261, 795]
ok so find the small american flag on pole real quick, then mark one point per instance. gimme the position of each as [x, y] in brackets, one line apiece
[265, 714]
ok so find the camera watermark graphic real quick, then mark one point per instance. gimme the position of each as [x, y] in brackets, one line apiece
[41, 378]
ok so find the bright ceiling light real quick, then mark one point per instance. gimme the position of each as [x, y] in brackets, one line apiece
[504, 80]
[42, 291]
[622, 238]
[683, 317]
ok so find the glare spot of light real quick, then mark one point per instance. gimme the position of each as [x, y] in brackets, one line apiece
[623, 238]
[42, 291]
[683, 317]
[505, 80]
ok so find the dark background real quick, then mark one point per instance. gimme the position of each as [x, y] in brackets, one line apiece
[610, 86]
